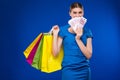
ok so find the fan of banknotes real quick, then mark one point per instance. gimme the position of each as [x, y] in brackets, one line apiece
[77, 22]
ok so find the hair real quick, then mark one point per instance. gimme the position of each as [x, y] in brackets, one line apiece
[76, 5]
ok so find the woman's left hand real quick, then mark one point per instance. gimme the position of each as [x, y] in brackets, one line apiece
[79, 32]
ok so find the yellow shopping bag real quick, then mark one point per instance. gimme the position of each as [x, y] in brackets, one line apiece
[49, 63]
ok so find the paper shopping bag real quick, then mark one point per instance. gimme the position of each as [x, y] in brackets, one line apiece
[49, 63]
[38, 56]
[33, 51]
[30, 47]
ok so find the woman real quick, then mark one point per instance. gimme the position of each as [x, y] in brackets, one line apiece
[77, 47]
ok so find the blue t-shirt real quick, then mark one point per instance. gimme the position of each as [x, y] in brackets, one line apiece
[72, 52]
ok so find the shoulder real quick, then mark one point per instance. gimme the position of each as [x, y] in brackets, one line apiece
[88, 32]
[64, 27]
[63, 30]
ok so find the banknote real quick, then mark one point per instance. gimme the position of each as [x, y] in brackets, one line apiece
[77, 22]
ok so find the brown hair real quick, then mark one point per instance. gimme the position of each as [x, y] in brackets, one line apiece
[76, 5]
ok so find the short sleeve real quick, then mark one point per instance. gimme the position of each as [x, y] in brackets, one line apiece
[61, 33]
[89, 34]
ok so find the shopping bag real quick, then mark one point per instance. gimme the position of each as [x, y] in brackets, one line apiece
[39, 54]
[49, 63]
[30, 47]
[33, 51]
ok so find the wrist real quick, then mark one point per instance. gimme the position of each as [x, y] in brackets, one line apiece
[55, 35]
[77, 37]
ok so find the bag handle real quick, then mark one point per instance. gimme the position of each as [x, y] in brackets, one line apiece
[50, 32]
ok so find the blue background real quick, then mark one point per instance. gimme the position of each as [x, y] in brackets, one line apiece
[22, 20]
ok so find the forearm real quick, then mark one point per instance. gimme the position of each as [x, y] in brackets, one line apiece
[85, 50]
[55, 45]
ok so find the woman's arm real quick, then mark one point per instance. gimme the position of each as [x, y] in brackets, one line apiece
[86, 50]
[57, 41]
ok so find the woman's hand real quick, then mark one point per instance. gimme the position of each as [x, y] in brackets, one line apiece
[55, 29]
[79, 32]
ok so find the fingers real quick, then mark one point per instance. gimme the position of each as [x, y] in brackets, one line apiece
[78, 30]
[55, 27]
[55, 30]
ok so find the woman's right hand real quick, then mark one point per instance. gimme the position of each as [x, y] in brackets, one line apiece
[55, 29]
